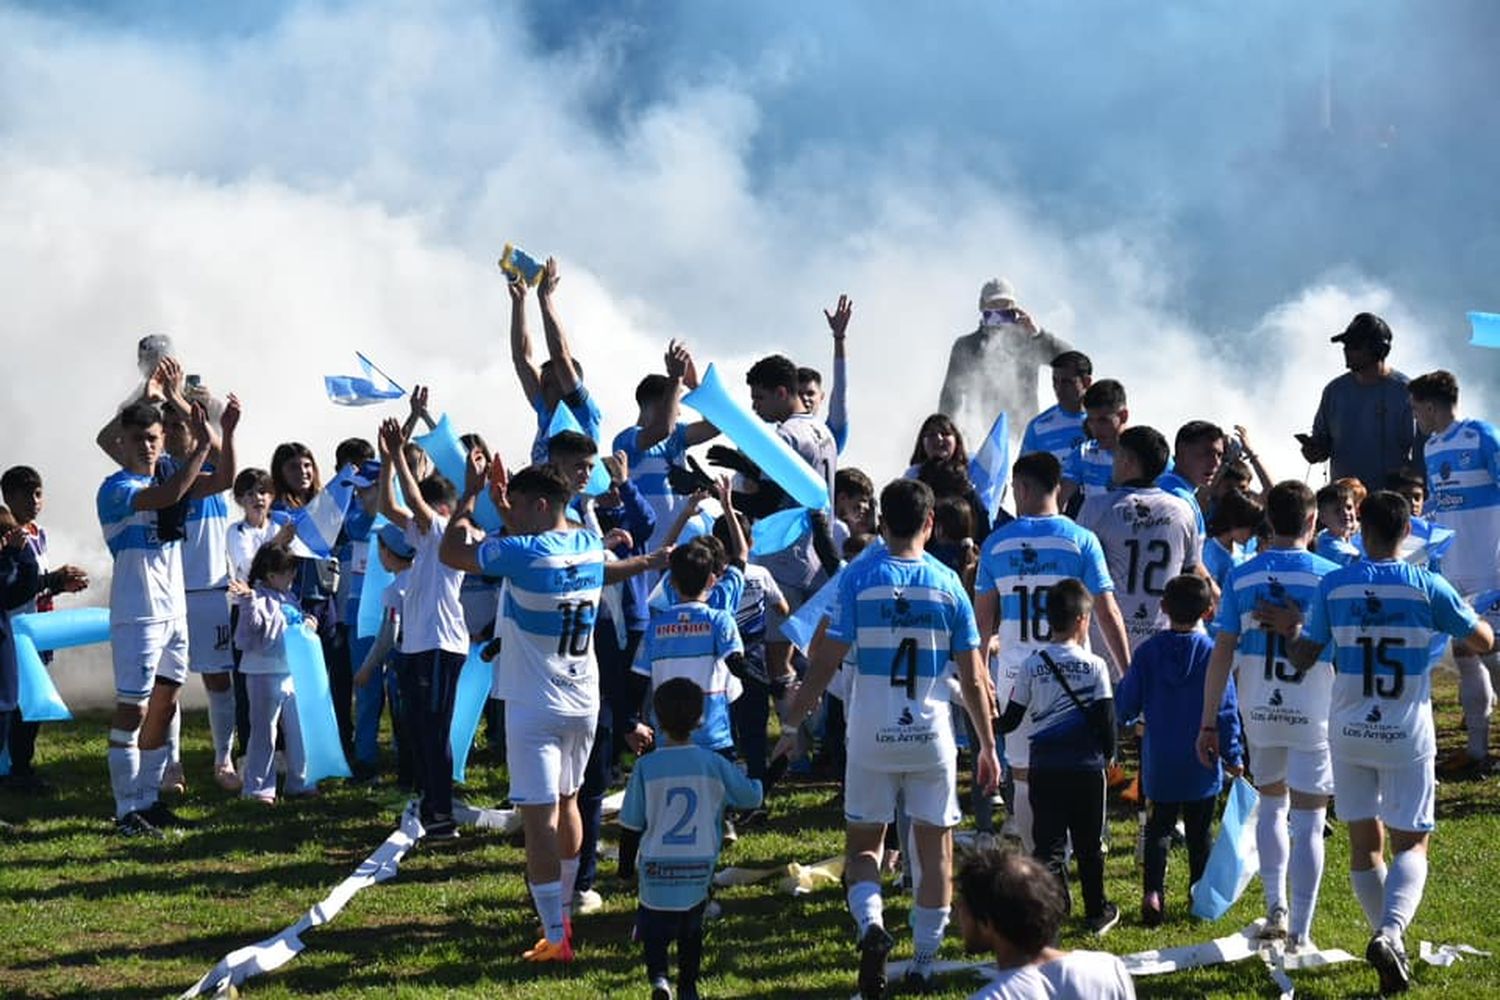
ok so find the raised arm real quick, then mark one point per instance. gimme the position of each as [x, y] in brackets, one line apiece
[682, 371]
[520, 344]
[838, 412]
[394, 441]
[558, 350]
[739, 547]
[163, 495]
[459, 549]
[111, 437]
[390, 446]
[418, 412]
[225, 464]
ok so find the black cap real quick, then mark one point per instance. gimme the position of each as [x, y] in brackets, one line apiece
[1366, 328]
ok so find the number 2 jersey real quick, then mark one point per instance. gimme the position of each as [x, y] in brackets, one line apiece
[1385, 620]
[546, 618]
[1279, 705]
[1149, 536]
[905, 619]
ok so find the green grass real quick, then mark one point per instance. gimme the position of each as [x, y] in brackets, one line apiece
[86, 914]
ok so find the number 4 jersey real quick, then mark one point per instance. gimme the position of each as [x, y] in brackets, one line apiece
[546, 618]
[1149, 536]
[905, 619]
[1280, 706]
[1385, 619]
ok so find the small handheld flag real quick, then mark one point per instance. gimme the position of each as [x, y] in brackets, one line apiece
[355, 390]
[989, 469]
[318, 524]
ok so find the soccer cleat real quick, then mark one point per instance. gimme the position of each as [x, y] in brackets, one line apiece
[873, 948]
[730, 833]
[226, 778]
[587, 901]
[661, 989]
[440, 830]
[1275, 925]
[1101, 923]
[133, 824]
[1115, 776]
[159, 816]
[1388, 957]
[173, 781]
[547, 951]
[1152, 912]
[1132, 792]
[1459, 766]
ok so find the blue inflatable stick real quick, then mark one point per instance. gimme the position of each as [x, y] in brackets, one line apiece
[755, 438]
[1485, 329]
[372, 588]
[447, 453]
[320, 730]
[1234, 858]
[468, 706]
[779, 531]
[34, 634]
[802, 626]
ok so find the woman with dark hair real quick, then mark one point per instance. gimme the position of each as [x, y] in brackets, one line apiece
[939, 439]
[294, 474]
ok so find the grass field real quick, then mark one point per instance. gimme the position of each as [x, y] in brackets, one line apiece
[86, 914]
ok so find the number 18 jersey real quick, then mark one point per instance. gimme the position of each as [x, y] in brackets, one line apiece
[552, 586]
[1385, 620]
[1149, 536]
[905, 619]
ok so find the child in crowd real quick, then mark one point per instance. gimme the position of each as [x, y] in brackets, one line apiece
[381, 660]
[1231, 525]
[1339, 518]
[752, 711]
[1165, 685]
[1066, 691]
[267, 609]
[675, 803]
[953, 542]
[853, 504]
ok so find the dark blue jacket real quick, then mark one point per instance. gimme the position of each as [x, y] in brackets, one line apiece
[19, 582]
[1165, 684]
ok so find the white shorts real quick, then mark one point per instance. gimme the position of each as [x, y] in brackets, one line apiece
[930, 796]
[208, 632]
[147, 652]
[1402, 796]
[1307, 771]
[546, 754]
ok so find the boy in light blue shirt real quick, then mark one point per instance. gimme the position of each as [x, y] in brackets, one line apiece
[675, 803]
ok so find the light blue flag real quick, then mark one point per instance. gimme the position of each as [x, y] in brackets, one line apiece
[372, 587]
[779, 531]
[375, 386]
[989, 469]
[1485, 329]
[447, 453]
[318, 524]
[474, 683]
[1234, 858]
[320, 729]
[800, 628]
[563, 420]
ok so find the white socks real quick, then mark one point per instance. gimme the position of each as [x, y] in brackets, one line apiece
[1021, 800]
[927, 926]
[174, 737]
[148, 787]
[1306, 868]
[569, 880]
[124, 769]
[1403, 892]
[866, 906]
[1272, 841]
[1369, 889]
[1478, 699]
[221, 723]
[549, 906]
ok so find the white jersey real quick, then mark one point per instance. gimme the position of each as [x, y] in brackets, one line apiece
[1149, 536]
[244, 540]
[431, 615]
[1463, 493]
[1078, 975]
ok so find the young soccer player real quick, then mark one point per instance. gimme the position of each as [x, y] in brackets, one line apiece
[675, 804]
[906, 616]
[1165, 685]
[147, 609]
[1197, 455]
[559, 379]
[1338, 515]
[1065, 692]
[267, 608]
[1018, 565]
[1087, 470]
[1382, 615]
[1232, 524]
[21, 489]
[1285, 711]
[1463, 471]
[1059, 428]
[434, 638]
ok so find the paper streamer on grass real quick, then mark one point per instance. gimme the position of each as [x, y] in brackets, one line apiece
[320, 729]
[795, 879]
[1444, 955]
[452, 459]
[468, 705]
[1234, 858]
[754, 437]
[34, 634]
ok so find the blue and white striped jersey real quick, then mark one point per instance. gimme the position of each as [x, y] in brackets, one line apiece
[1463, 493]
[692, 640]
[1054, 430]
[648, 471]
[146, 585]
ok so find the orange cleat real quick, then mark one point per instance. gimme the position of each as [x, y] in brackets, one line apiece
[1132, 793]
[1116, 776]
[546, 951]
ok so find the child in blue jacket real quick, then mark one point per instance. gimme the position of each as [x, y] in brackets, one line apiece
[1165, 685]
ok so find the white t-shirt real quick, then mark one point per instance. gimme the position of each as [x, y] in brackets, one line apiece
[431, 615]
[1078, 975]
[244, 541]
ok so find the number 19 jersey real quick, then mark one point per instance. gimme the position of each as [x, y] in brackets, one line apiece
[1385, 620]
[552, 586]
[905, 619]
[1149, 536]
[1280, 706]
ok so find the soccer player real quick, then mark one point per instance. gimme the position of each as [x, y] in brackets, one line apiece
[810, 381]
[557, 380]
[1059, 428]
[1018, 563]
[906, 616]
[1284, 708]
[1463, 476]
[1149, 535]
[147, 609]
[547, 675]
[1382, 616]
[1197, 454]
[1338, 513]
[1087, 469]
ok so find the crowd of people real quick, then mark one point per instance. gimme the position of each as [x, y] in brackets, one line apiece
[1128, 592]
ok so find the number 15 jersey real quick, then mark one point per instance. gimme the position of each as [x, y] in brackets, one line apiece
[546, 618]
[905, 618]
[1385, 620]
